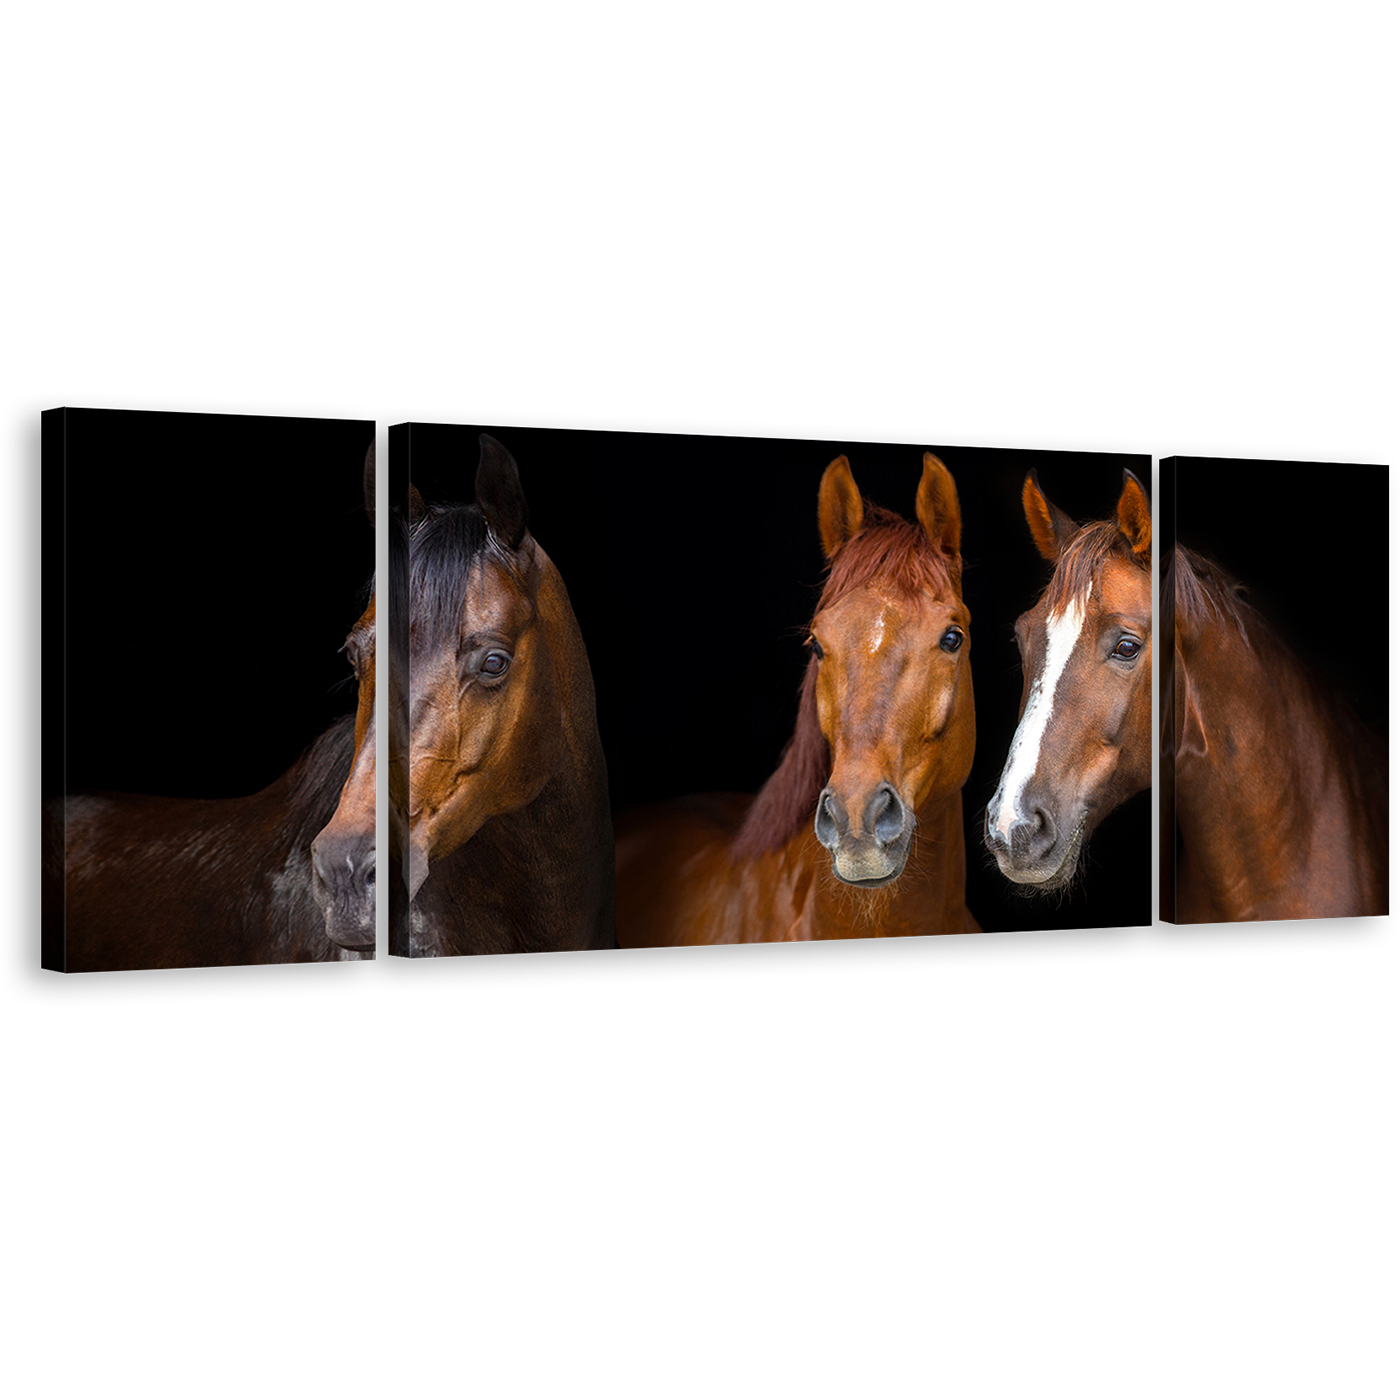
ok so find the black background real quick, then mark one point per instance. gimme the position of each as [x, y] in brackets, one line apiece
[214, 565]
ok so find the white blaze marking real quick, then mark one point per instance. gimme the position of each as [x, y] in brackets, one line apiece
[1062, 634]
[877, 632]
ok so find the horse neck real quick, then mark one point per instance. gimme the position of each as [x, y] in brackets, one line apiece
[534, 879]
[577, 792]
[1271, 770]
[579, 717]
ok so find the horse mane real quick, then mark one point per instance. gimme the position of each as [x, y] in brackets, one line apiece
[1084, 556]
[789, 797]
[1202, 592]
[316, 780]
[888, 549]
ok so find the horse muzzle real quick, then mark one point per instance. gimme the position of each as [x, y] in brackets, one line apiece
[343, 885]
[1032, 848]
[870, 851]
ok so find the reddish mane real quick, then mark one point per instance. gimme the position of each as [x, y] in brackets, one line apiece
[1202, 592]
[1084, 556]
[889, 550]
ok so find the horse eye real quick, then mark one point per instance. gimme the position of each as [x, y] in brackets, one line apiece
[951, 640]
[815, 647]
[495, 663]
[1127, 648]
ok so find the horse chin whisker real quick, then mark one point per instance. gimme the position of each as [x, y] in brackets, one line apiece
[866, 908]
[1058, 892]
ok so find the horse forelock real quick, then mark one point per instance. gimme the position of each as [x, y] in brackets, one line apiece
[1083, 559]
[890, 551]
[444, 550]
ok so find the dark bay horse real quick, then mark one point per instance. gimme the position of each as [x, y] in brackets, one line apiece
[1279, 793]
[1083, 743]
[133, 881]
[859, 831]
[510, 832]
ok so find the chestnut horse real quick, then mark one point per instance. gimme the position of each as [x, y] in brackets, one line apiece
[859, 832]
[1279, 793]
[510, 833]
[1083, 742]
[133, 881]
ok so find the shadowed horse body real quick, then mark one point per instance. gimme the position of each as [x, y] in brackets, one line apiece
[1083, 741]
[859, 831]
[1280, 794]
[509, 828]
[134, 881]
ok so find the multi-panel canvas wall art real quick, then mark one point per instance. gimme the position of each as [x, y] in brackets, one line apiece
[648, 690]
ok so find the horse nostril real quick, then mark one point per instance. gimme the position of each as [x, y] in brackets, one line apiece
[344, 863]
[885, 815]
[1039, 833]
[828, 832]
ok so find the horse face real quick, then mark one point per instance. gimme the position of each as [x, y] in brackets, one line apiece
[342, 855]
[484, 713]
[1083, 741]
[894, 702]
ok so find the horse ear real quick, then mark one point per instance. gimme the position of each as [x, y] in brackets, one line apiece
[369, 483]
[1051, 528]
[498, 492]
[1135, 514]
[840, 510]
[936, 506]
[416, 507]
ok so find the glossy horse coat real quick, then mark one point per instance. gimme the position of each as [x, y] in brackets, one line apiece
[509, 830]
[859, 831]
[1083, 743]
[134, 881]
[1279, 793]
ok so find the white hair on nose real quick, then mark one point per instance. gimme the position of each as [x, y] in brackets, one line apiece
[1062, 631]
